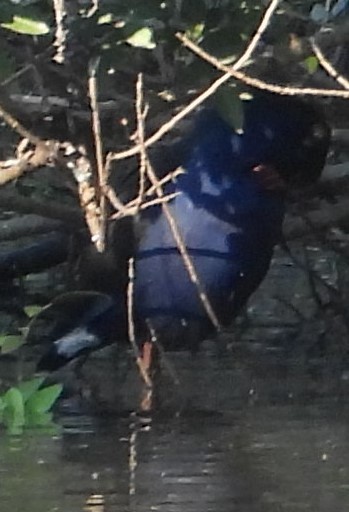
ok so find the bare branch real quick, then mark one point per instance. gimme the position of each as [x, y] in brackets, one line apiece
[188, 264]
[167, 127]
[132, 208]
[164, 359]
[131, 327]
[256, 82]
[140, 114]
[16, 126]
[328, 66]
[27, 161]
[61, 31]
[230, 72]
[242, 61]
[93, 9]
[101, 169]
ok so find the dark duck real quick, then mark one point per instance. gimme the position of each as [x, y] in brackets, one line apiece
[229, 210]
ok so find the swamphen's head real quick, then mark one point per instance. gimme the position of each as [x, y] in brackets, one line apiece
[285, 133]
[282, 138]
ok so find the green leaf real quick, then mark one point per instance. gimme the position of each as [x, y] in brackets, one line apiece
[39, 419]
[27, 26]
[105, 19]
[29, 387]
[32, 310]
[229, 106]
[9, 343]
[142, 38]
[14, 408]
[195, 32]
[43, 399]
[312, 64]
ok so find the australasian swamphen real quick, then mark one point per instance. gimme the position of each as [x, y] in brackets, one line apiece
[229, 211]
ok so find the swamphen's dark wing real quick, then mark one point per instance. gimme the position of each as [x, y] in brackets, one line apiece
[75, 324]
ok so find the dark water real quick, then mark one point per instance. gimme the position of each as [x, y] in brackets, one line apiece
[260, 427]
[250, 430]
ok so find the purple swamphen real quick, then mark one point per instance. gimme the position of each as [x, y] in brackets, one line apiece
[229, 211]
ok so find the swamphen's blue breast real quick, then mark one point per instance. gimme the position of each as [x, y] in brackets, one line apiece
[229, 211]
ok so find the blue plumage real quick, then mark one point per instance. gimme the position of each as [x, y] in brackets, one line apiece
[229, 218]
[229, 227]
[229, 211]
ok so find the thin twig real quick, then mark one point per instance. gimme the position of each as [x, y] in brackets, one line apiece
[164, 359]
[173, 224]
[16, 75]
[256, 82]
[167, 127]
[140, 116]
[183, 251]
[93, 9]
[110, 194]
[101, 170]
[133, 208]
[268, 14]
[61, 31]
[28, 160]
[19, 128]
[131, 326]
[169, 177]
[229, 73]
[326, 64]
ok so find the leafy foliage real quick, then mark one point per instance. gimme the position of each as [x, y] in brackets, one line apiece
[32, 310]
[27, 26]
[229, 106]
[28, 405]
[132, 37]
[10, 342]
[29, 17]
[119, 30]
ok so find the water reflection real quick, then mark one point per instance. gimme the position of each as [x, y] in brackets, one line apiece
[265, 447]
